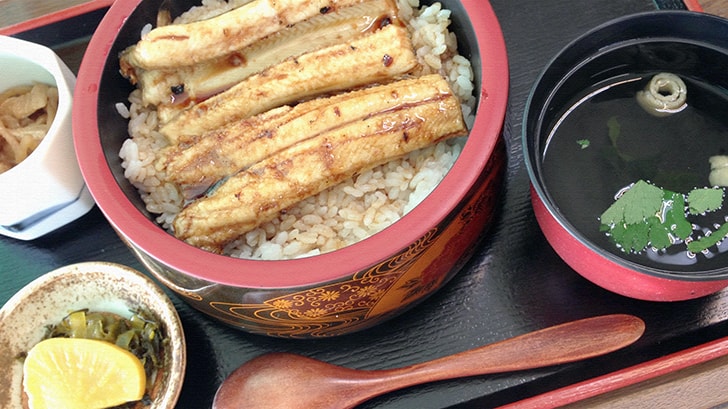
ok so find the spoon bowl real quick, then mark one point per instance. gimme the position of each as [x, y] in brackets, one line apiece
[308, 383]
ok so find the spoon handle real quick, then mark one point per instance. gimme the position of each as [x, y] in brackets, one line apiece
[569, 342]
[292, 381]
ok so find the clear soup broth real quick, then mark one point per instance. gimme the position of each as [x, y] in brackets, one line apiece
[584, 167]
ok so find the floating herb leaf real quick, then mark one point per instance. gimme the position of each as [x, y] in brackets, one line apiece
[674, 215]
[659, 237]
[705, 200]
[614, 130]
[583, 143]
[631, 237]
[704, 243]
[634, 206]
[648, 216]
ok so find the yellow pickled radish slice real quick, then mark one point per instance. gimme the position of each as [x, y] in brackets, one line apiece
[76, 373]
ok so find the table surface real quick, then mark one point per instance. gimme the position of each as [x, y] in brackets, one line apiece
[717, 7]
[514, 283]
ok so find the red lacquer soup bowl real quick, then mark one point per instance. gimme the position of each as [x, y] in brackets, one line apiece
[594, 141]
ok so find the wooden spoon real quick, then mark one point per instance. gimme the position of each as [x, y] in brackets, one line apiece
[281, 380]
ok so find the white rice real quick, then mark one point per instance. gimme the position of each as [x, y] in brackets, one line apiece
[343, 214]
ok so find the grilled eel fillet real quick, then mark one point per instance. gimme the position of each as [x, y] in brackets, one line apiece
[176, 87]
[376, 57]
[257, 194]
[184, 44]
[199, 163]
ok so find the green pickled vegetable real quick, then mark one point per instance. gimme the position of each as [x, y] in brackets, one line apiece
[138, 334]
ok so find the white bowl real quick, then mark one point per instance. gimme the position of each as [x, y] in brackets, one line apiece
[46, 190]
[98, 286]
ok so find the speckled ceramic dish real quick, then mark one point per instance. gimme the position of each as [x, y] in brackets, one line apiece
[98, 286]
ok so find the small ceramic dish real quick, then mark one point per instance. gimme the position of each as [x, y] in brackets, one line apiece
[46, 190]
[97, 286]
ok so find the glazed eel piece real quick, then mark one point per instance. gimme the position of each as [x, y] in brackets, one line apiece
[174, 88]
[197, 164]
[258, 193]
[376, 57]
[184, 44]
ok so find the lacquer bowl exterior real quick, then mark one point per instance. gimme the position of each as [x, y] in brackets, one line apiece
[331, 294]
[607, 52]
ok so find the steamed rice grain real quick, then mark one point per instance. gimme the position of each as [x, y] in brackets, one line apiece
[343, 214]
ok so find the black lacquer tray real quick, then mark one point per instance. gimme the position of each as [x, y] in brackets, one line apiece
[515, 283]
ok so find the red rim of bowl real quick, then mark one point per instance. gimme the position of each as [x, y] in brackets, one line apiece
[161, 246]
